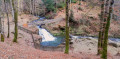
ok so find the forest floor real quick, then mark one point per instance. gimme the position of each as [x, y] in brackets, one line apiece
[24, 48]
[88, 19]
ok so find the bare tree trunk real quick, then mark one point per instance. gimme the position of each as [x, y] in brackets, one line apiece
[34, 6]
[56, 4]
[100, 39]
[2, 37]
[104, 54]
[30, 7]
[32, 3]
[12, 10]
[15, 20]
[70, 5]
[6, 10]
[67, 27]
[79, 2]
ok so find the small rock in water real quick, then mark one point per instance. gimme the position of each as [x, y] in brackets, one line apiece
[71, 43]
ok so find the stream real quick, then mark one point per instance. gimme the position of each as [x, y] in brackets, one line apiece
[81, 37]
[49, 40]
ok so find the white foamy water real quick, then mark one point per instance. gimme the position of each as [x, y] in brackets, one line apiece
[46, 36]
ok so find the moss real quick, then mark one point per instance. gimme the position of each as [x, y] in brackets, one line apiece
[101, 33]
[16, 30]
[2, 38]
[67, 28]
[16, 21]
[79, 2]
[104, 53]
[99, 44]
[59, 34]
[60, 5]
[73, 1]
[80, 9]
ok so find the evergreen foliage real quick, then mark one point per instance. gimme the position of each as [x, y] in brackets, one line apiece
[49, 5]
[73, 1]
[60, 5]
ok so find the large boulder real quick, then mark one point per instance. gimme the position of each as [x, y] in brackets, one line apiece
[114, 44]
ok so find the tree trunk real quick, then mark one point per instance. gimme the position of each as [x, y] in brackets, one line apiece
[7, 18]
[12, 10]
[70, 5]
[67, 27]
[30, 6]
[104, 54]
[32, 2]
[2, 37]
[100, 39]
[2, 33]
[79, 2]
[16, 21]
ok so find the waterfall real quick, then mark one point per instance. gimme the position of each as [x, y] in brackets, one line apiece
[46, 36]
[48, 39]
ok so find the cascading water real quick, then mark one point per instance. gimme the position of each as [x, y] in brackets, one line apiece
[48, 39]
[46, 36]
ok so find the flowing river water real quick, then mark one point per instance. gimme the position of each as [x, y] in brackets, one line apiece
[49, 40]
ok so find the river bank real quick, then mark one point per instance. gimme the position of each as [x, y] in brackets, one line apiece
[89, 45]
[25, 48]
